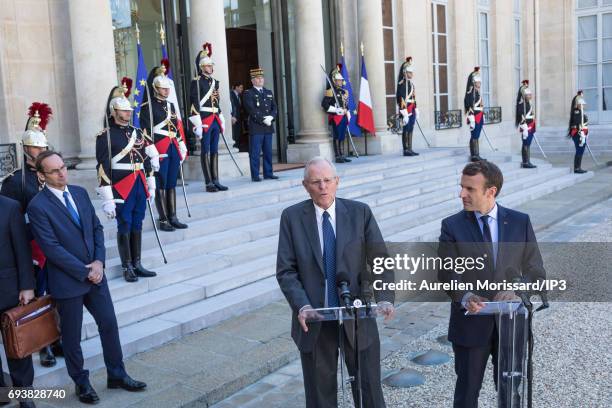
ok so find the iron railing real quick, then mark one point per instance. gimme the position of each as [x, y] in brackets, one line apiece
[8, 159]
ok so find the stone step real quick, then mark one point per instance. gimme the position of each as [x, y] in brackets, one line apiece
[156, 331]
[201, 239]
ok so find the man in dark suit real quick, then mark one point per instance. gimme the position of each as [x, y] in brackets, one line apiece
[235, 98]
[67, 229]
[16, 283]
[504, 238]
[320, 239]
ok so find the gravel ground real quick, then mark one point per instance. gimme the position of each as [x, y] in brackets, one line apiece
[572, 358]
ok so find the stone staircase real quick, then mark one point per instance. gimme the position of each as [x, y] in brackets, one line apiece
[224, 264]
[554, 140]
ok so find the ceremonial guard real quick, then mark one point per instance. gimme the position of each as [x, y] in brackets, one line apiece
[22, 185]
[474, 110]
[335, 103]
[171, 148]
[578, 129]
[206, 118]
[406, 100]
[126, 162]
[261, 108]
[525, 122]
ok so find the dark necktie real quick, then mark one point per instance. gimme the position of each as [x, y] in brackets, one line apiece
[486, 234]
[73, 212]
[329, 261]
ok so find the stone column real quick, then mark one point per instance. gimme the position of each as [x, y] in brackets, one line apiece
[95, 72]
[310, 54]
[369, 15]
[208, 25]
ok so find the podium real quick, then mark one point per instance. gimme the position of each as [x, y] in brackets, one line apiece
[357, 312]
[512, 321]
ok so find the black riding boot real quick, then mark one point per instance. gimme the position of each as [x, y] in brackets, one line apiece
[174, 222]
[136, 248]
[205, 162]
[578, 165]
[405, 150]
[341, 152]
[47, 357]
[337, 153]
[123, 245]
[412, 152]
[162, 210]
[214, 171]
[474, 150]
[526, 164]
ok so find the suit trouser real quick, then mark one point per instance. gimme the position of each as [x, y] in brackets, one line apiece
[471, 364]
[21, 370]
[257, 142]
[320, 367]
[99, 303]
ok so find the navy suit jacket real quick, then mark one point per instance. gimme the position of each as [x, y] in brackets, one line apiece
[517, 249]
[67, 246]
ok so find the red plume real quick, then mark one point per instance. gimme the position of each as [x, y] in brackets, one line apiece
[128, 84]
[44, 111]
[166, 64]
[408, 59]
[339, 66]
[525, 82]
[476, 69]
[580, 92]
[208, 48]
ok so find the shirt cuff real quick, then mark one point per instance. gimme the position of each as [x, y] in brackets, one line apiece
[304, 307]
[465, 298]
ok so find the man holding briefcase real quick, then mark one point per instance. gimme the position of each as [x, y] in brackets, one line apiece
[16, 283]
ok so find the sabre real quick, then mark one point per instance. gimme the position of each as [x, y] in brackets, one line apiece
[338, 104]
[184, 191]
[161, 248]
[591, 153]
[539, 146]
[422, 134]
[222, 133]
[487, 137]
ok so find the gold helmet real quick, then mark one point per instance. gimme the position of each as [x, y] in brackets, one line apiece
[336, 73]
[118, 98]
[204, 57]
[160, 77]
[39, 115]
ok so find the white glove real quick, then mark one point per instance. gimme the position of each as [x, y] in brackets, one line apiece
[416, 112]
[198, 132]
[405, 116]
[331, 109]
[582, 138]
[222, 118]
[525, 133]
[339, 111]
[151, 185]
[109, 209]
[267, 120]
[154, 163]
[196, 121]
[153, 154]
[472, 121]
[182, 150]
[108, 205]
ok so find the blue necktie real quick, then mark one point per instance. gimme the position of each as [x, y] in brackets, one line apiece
[329, 261]
[73, 212]
[488, 239]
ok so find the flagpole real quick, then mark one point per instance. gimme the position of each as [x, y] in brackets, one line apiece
[365, 136]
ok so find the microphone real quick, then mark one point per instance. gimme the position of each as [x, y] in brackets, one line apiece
[343, 285]
[515, 277]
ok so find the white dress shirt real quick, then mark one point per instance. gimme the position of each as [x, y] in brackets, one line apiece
[332, 219]
[60, 196]
[492, 221]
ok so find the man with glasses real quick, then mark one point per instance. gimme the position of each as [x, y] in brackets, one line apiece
[67, 229]
[320, 238]
[22, 185]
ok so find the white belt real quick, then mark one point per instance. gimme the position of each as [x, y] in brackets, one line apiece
[207, 109]
[166, 133]
[129, 166]
[410, 101]
[478, 109]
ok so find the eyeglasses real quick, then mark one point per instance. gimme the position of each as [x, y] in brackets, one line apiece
[56, 172]
[326, 181]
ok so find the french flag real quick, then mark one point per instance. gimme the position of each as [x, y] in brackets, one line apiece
[365, 117]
